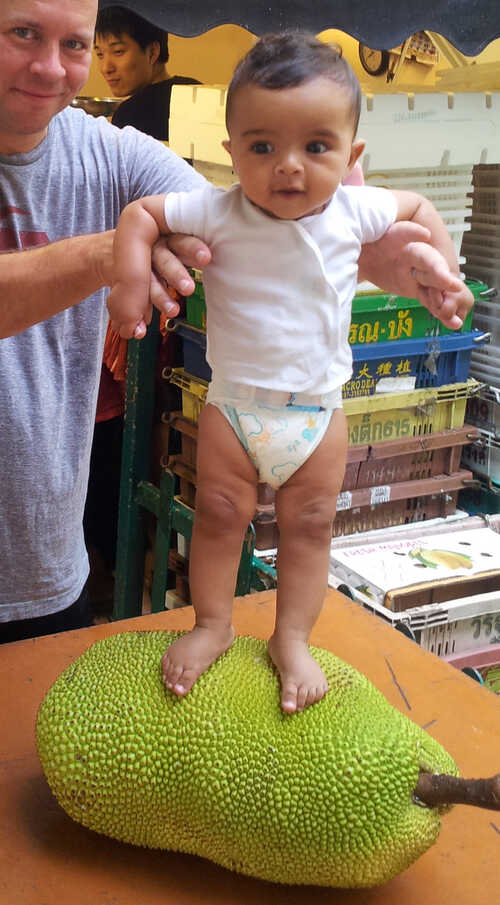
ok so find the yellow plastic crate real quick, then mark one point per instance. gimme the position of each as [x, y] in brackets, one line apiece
[370, 419]
[389, 416]
[194, 392]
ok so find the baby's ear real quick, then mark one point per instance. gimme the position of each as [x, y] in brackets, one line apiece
[227, 145]
[357, 149]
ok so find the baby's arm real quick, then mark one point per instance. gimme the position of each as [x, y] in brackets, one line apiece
[139, 227]
[445, 295]
[435, 266]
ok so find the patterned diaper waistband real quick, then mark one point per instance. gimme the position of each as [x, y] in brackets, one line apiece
[242, 391]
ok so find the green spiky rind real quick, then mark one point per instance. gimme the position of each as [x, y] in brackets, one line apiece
[322, 797]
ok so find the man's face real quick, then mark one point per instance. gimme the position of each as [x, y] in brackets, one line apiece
[124, 64]
[45, 53]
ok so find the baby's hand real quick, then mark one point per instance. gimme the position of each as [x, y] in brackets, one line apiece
[443, 293]
[128, 317]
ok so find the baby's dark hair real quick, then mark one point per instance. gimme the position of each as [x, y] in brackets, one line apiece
[118, 21]
[289, 59]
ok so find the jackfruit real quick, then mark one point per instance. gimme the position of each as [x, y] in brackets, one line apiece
[450, 559]
[320, 797]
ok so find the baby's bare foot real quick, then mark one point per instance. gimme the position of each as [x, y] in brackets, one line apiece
[303, 682]
[186, 659]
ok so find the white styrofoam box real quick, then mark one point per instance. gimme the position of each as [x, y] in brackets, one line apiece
[183, 546]
[429, 129]
[173, 601]
[447, 628]
[197, 122]
[483, 410]
[198, 141]
[389, 566]
[447, 187]
[199, 103]
[421, 130]
[444, 183]
[216, 173]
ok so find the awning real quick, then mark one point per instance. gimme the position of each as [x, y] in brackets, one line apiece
[468, 24]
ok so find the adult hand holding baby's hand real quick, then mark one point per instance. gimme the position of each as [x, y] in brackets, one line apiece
[170, 256]
[402, 262]
[443, 293]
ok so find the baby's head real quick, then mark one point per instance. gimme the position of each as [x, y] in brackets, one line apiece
[292, 113]
[292, 58]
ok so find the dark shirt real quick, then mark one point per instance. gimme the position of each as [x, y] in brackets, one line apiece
[148, 110]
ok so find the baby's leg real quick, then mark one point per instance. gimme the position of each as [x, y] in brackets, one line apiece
[305, 508]
[226, 495]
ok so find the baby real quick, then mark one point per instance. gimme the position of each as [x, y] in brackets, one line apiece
[285, 244]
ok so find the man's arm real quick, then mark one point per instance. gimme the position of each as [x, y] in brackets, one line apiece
[38, 283]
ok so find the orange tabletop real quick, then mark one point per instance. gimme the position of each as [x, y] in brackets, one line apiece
[47, 859]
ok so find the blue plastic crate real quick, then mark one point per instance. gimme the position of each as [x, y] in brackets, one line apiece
[430, 361]
[194, 345]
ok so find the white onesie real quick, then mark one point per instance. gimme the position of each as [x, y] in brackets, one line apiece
[279, 296]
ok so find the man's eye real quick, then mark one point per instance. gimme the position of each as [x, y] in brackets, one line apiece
[73, 44]
[316, 147]
[262, 147]
[24, 32]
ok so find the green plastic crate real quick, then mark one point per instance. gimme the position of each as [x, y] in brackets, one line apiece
[379, 317]
[196, 309]
[376, 317]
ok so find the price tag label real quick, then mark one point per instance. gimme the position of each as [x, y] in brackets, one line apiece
[344, 500]
[381, 494]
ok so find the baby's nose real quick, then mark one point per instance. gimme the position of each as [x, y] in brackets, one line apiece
[289, 163]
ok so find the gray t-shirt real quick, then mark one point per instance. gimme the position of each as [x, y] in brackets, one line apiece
[76, 181]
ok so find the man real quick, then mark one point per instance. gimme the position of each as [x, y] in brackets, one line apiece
[132, 55]
[62, 173]
[64, 178]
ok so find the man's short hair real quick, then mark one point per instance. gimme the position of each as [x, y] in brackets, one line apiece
[289, 59]
[117, 20]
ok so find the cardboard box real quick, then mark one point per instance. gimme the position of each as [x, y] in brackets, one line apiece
[409, 572]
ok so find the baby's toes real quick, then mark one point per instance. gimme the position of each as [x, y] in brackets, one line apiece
[185, 681]
[171, 672]
[289, 694]
[316, 693]
[303, 696]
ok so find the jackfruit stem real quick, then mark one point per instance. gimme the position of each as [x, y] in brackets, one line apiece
[434, 789]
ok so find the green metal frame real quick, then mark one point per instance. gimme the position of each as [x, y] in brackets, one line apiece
[138, 496]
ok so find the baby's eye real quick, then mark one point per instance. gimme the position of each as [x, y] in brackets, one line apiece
[262, 147]
[317, 147]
